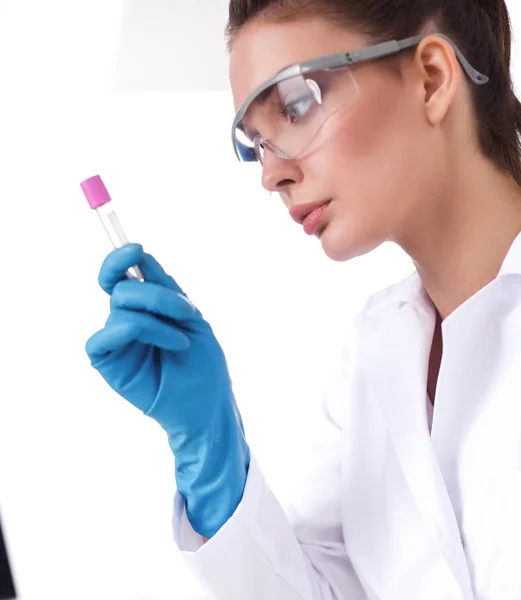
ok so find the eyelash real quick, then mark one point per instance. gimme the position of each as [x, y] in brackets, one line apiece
[283, 111]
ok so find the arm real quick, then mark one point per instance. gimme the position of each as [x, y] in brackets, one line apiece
[158, 352]
[263, 551]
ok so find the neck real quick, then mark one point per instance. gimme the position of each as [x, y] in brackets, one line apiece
[458, 246]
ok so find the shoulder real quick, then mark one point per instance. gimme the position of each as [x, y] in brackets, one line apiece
[378, 312]
[379, 309]
[384, 302]
[373, 320]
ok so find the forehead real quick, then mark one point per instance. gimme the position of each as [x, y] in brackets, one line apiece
[263, 49]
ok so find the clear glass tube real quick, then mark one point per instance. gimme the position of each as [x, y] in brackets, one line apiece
[117, 236]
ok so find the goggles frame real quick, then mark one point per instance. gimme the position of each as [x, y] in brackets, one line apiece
[346, 59]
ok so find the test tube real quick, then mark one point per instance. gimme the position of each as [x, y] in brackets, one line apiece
[100, 201]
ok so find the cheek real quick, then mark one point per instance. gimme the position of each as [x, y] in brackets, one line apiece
[376, 136]
[376, 152]
[374, 169]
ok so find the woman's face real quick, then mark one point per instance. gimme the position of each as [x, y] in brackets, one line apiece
[381, 158]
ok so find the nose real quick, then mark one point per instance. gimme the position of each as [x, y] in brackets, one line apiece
[278, 174]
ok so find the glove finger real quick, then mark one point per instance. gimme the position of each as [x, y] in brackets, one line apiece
[151, 298]
[116, 264]
[124, 327]
[154, 273]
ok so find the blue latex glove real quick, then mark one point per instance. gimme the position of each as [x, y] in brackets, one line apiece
[158, 352]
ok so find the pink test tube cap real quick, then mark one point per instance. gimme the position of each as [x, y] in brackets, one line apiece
[95, 191]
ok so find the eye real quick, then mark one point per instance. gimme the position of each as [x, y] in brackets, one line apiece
[298, 110]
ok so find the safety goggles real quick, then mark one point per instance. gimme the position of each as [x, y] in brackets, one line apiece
[292, 106]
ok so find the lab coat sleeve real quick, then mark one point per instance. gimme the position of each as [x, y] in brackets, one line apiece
[264, 551]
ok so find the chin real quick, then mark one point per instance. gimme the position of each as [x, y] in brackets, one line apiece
[345, 245]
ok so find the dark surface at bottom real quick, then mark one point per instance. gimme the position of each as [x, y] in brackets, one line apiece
[7, 591]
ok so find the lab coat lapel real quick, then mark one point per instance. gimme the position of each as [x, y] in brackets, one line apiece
[396, 357]
[398, 372]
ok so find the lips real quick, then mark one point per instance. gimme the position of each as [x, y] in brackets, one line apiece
[300, 212]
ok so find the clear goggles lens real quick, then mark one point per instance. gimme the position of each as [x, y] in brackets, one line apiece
[288, 117]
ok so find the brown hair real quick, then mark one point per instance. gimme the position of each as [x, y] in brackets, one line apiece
[480, 28]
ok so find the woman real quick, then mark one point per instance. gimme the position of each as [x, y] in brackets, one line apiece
[415, 490]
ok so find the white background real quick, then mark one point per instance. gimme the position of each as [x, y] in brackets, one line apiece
[86, 482]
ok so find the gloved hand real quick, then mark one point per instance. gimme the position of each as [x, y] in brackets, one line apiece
[158, 352]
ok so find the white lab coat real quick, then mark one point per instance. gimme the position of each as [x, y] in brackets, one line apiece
[391, 510]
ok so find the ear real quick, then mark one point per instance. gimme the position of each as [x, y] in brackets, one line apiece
[440, 76]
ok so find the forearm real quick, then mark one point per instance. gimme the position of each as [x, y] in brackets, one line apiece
[211, 472]
[259, 553]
